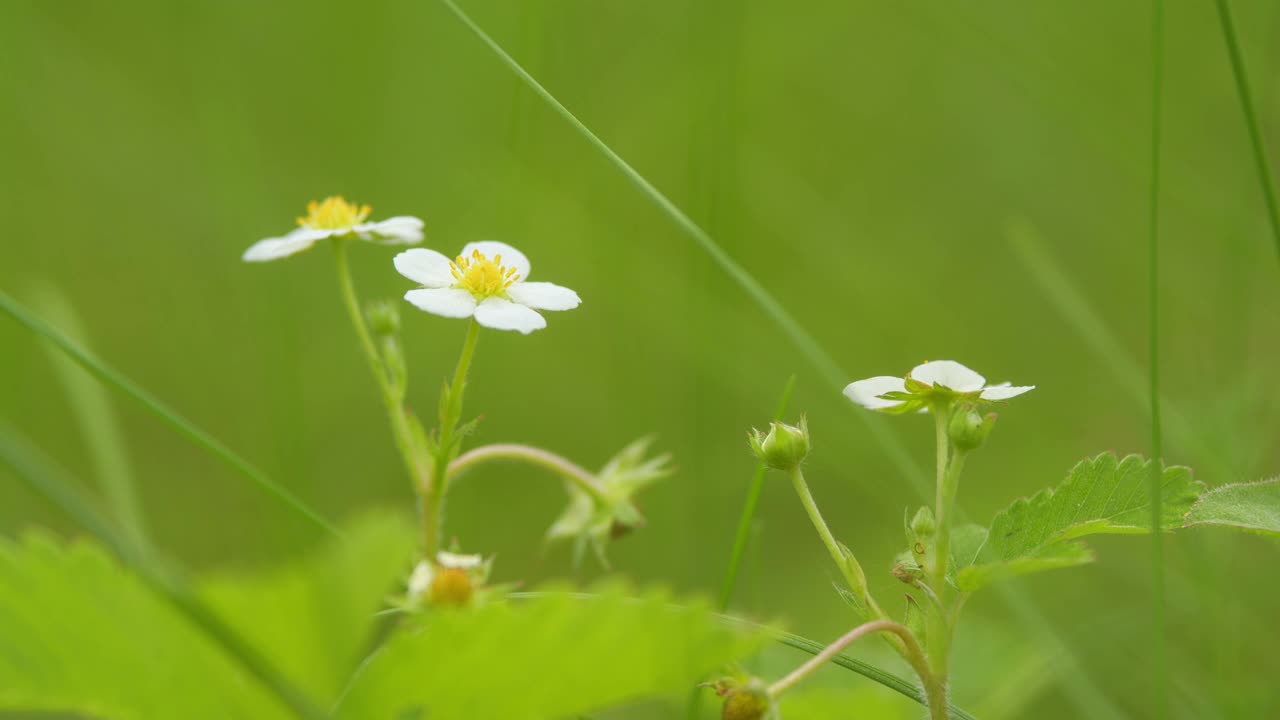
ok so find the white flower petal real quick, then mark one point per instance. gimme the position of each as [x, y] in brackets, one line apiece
[278, 247]
[445, 302]
[424, 266]
[511, 257]
[502, 314]
[867, 392]
[399, 230]
[420, 580]
[544, 296]
[1004, 391]
[948, 373]
[454, 560]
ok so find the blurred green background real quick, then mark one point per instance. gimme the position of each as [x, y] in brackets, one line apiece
[901, 176]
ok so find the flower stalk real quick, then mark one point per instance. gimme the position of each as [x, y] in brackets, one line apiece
[565, 468]
[436, 483]
[392, 392]
[849, 566]
[913, 654]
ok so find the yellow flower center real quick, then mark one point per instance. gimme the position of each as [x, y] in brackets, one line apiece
[333, 213]
[482, 276]
[451, 586]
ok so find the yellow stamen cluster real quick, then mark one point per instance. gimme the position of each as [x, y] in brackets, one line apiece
[451, 586]
[333, 213]
[481, 276]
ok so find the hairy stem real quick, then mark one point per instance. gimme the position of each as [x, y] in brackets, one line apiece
[940, 625]
[848, 564]
[392, 397]
[913, 654]
[561, 466]
[436, 483]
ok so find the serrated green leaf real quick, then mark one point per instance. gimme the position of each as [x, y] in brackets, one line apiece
[1247, 506]
[1100, 495]
[549, 656]
[966, 541]
[1049, 557]
[82, 635]
[313, 619]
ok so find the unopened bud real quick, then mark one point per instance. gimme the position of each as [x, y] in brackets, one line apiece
[968, 429]
[384, 317]
[746, 701]
[923, 525]
[784, 447]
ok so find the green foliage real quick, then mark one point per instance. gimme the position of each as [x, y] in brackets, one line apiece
[1100, 495]
[314, 619]
[82, 635]
[552, 655]
[861, 702]
[1247, 506]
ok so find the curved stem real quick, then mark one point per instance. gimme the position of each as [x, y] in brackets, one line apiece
[392, 397]
[561, 466]
[848, 564]
[913, 654]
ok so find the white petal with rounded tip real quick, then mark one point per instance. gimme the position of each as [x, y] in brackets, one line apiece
[425, 266]
[1004, 391]
[867, 392]
[948, 373]
[511, 257]
[420, 580]
[544, 296]
[502, 314]
[278, 247]
[454, 560]
[445, 302]
[399, 230]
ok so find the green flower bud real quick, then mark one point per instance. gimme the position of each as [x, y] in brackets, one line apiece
[923, 525]
[384, 317]
[968, 429]
[784, 447]
[745, 701]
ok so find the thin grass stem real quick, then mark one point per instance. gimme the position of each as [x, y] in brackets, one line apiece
[898, 684]
[99, 426]
[1256, 140]
[808, 346]
[1158, 665]
[49, 480]
[198, 437]
[749, 509]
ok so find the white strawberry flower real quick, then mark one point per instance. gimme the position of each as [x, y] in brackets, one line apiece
[926, 385]
[449, 574]
[487, 281]
[331, 218]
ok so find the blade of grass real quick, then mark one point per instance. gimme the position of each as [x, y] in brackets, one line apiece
[1241, 74]
[1074, 307]
[1158, 669]
[813, 647]
[201, 439]
[98, 424]
[749, 509]
[871, 672]
[743, 535]
[46, 478]
[826, 366]
[1082, 686]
